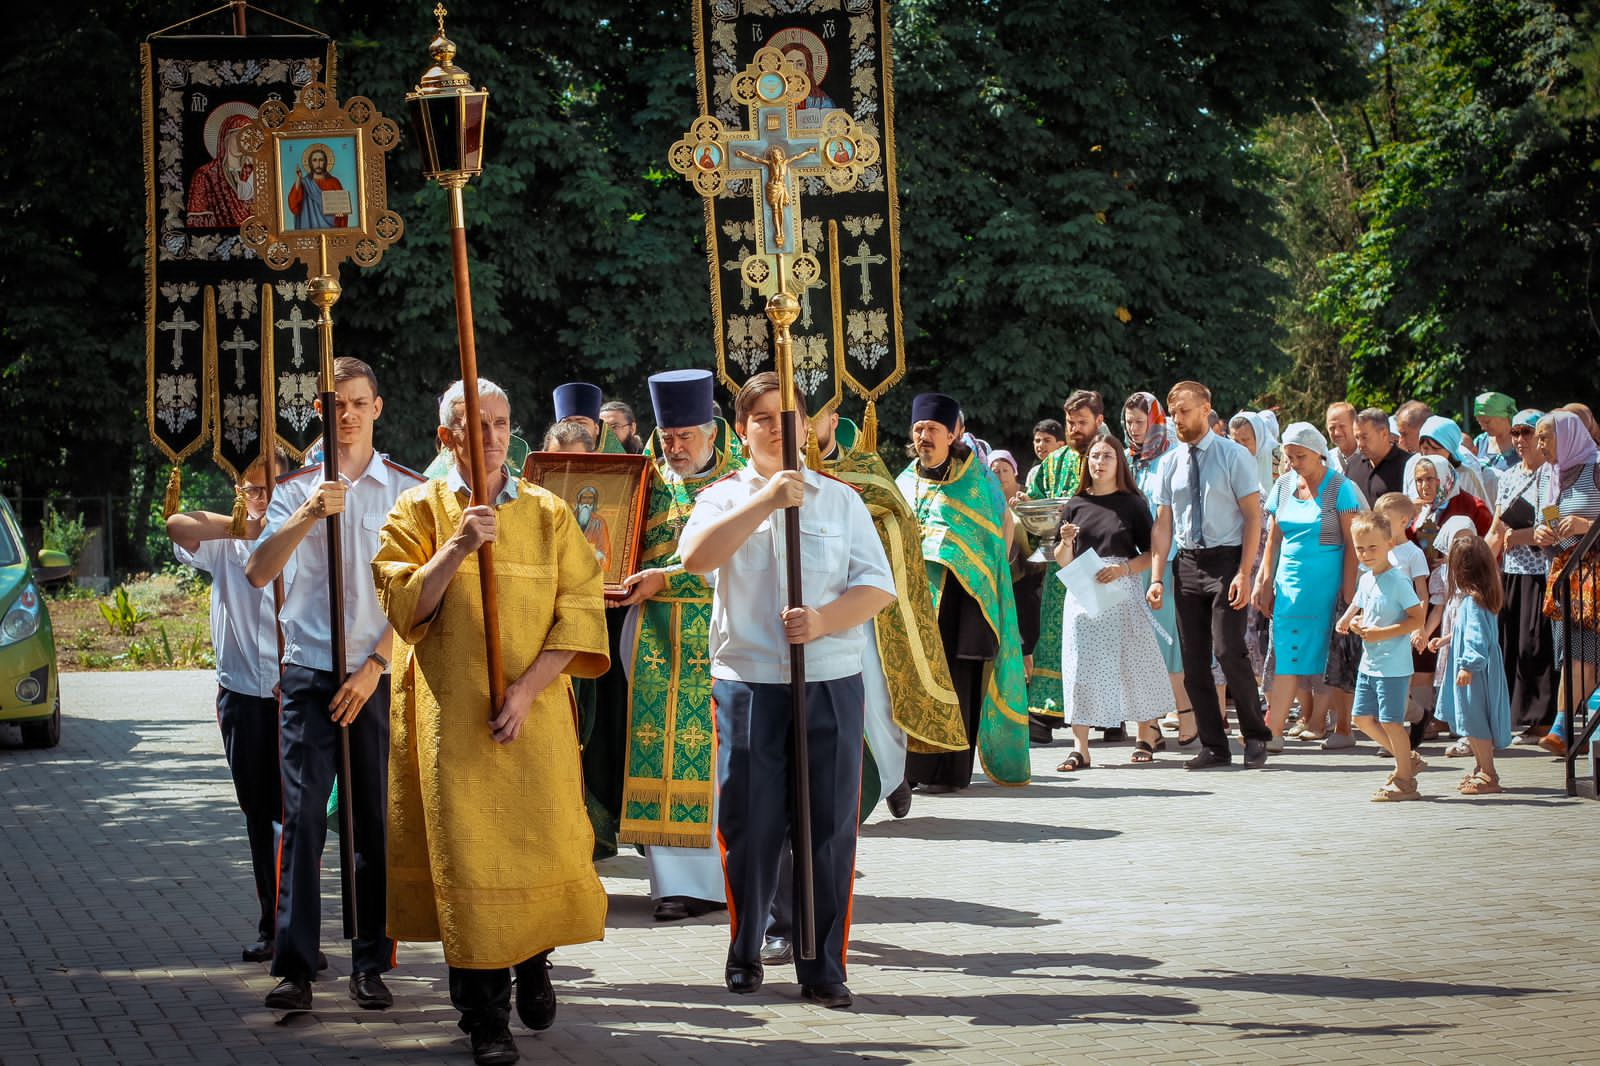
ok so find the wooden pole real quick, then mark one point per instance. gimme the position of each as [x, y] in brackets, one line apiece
[324, 292]
[782, 310]
[466, 341]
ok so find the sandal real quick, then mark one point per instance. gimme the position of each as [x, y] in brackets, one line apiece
[1402, 788]
[1185, 739]
[1457, 750]
[1142, 752]
[1483, 786]
[1075, 762]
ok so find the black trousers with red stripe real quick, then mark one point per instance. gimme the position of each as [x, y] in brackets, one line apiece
[754, 767]
[250, 740]
[309, 752]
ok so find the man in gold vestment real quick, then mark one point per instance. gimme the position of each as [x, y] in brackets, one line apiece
[489, 843]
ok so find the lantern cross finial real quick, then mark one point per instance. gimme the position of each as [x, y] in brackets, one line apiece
[439, 12]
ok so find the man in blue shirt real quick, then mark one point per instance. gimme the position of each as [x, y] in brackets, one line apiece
[1208, 497]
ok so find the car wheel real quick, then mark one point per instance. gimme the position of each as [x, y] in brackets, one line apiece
[45, 733]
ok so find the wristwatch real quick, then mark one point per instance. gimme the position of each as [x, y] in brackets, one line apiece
[383, 664]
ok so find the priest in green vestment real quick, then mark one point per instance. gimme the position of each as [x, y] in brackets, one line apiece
[911, 704]
[958, 506]
[669, 769]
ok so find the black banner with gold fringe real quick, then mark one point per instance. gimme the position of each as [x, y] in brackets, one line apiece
[849, 332]
[204, 324]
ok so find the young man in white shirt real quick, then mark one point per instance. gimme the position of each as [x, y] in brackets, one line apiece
[735, 537]
[244, 640]
[319, 695]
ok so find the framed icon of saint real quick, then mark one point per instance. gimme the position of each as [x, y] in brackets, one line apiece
[320, 193]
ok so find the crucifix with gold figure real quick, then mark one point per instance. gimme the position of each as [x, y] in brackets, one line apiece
[773, 153]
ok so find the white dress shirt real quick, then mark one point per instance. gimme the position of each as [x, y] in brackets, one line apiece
[839, 550]
[244, 633]
[307, 638]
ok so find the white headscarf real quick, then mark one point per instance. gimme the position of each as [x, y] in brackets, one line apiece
[1266, 444]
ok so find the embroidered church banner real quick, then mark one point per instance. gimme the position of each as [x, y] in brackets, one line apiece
[849, 331]
[206, 330]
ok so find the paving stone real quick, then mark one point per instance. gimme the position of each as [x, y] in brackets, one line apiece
[1123, 915]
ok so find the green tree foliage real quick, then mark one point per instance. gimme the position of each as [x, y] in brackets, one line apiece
[1472, 263]
[1077, 193]
[1078, 209]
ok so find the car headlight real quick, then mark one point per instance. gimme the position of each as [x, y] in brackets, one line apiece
[22, 620]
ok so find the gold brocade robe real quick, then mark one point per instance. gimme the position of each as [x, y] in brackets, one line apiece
[489, 844]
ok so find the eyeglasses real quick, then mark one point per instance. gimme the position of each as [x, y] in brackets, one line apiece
[253, 491]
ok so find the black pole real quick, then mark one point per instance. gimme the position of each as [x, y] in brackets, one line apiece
[805, 882]
[347, 821]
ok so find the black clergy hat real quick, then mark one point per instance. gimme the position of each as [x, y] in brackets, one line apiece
[681, 398]
[577, 398]
[935, 407]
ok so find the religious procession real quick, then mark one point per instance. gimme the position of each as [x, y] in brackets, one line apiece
[738, 613]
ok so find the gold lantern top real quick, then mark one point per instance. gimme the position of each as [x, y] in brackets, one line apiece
[444, 76]
[448, 115]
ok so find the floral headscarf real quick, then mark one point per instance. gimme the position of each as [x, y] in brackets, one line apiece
[1447, 487]
[1157, 440]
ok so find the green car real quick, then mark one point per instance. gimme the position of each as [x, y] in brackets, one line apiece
[30, 694]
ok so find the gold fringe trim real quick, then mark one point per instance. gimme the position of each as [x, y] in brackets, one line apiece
[237, 521]
[869, 428]
[813, 449]
[660, 839]
[174, 497]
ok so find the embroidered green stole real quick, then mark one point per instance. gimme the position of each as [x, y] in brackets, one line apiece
[963, 537]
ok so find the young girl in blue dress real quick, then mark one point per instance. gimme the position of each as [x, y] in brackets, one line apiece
[1473, 698]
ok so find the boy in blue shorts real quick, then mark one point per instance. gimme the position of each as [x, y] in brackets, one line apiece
[1385, 612]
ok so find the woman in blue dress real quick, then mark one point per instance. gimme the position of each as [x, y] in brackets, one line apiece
[1150, 439]
[1308, 562]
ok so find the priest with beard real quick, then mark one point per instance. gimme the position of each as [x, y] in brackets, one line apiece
[961, 513]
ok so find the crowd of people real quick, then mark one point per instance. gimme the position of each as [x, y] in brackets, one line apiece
[1387, 576]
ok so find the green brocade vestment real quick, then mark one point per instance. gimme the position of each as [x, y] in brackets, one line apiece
[1058, 476]
[670, 772]
[924, 703]
[963, 536]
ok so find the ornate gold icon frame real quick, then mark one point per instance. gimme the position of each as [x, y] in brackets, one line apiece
[323, 214]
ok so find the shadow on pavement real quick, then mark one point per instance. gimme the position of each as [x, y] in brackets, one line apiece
[992, 832]
[891, 910]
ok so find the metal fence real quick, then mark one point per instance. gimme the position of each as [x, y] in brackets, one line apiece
[120, 541]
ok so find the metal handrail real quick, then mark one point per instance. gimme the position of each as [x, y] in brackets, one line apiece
[1563, 592]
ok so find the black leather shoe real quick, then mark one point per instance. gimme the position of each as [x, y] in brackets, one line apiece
[369, 992]
[777, 951]
[677, 908]
[899, 800]
[291, 994]
[1207, 759]
[1255, 754]
[492, 1045]
[322, 962]
[834, 997]
[743, 980]
[260, 951]
[536, 998]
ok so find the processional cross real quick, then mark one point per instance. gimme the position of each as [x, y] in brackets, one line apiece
[774, 152]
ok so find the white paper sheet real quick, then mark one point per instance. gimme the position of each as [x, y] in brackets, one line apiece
[1092, 596]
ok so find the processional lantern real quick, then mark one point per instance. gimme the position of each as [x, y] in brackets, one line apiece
[447, 117]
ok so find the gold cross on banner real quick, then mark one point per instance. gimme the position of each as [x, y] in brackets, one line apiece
[773, 153]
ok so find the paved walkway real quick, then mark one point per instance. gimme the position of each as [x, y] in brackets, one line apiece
[1127, 915]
